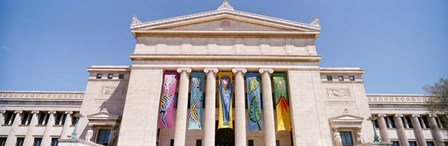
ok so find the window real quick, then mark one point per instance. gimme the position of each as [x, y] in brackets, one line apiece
[9, 117]
[37, 141]
[407, 122]
[439, 122]
[375, 122]
[352, 78]
[110, 76]
[277, 142]
[172, 142]
[2, 141]
[120, 76]
[424, 122]
[346, 138]
[329, 78]
[26, 118]
[19, 141]
[395, 143]
[198, 142]
[412, 143]
[98, 76]
[103, 136]
[59, 118]
[250, 143]
[341, 78]
[54, 141]
[74, 119]
[390, 122]
[429, 143]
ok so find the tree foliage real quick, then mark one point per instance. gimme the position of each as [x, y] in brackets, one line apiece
[438, 103]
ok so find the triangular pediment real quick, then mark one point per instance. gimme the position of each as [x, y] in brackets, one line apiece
[225, 20]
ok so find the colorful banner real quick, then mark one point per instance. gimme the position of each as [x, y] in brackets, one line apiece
[225, 100]
[281, 102]
[255, 121]
[166, 115]
[196, 99]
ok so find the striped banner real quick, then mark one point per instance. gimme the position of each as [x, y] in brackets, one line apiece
[166, 115]
[225, 100]
[255, 121]
[282, 102]
[196, 99]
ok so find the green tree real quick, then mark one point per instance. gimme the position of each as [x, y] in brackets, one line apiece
[439, 101]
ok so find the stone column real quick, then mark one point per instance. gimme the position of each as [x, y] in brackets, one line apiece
[182, 107]
[418, 130]
[240, 108]
[11, 140]
[435, 131]
[29, 139]
[2, 117]
[268, 107]
[210, 109]
[68, 121]
[400, 130]
[383, 128]
[46, 139]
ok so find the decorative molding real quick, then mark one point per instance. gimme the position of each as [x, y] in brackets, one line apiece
[268, 70]
[225, 6]
[397, 99]
[338, 92]
[214, 70]
[180, 70]
[40, 95]
[236, 70]
[109, 90]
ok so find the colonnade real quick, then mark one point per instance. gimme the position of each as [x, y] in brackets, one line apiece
[210, 96]
[416, 123]
[29, 138]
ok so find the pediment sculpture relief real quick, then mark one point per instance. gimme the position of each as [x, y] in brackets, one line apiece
[338, 92]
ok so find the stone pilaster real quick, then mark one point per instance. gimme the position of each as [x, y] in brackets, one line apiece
[66, 129]
[383, 128]
[418, 130]
[400, 130]
[240, 110]
[2, 117]
[268, 110]
[46, 139]
[11, 140]
[210, 109]
[182, 107]
[435, 131]
[29, 139]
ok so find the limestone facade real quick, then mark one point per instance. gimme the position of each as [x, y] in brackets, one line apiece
[124, 100]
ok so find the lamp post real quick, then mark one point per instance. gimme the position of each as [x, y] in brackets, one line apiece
[74, 136]
[372, 119]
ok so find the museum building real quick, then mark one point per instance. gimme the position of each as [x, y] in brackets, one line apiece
[226, 78]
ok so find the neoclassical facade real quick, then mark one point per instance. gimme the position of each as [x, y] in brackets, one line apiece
[241, 79]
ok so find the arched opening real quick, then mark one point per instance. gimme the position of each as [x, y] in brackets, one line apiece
[225, 137]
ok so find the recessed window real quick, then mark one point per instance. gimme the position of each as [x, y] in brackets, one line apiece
[9, 117]
[120, 76]
[103, 136]
[110, 76]
[54, 141]
[37, 141]
[412, 143]
[430, 143]
[329, 78]
[395, 143]
[98, 76]
[19, 141]
[250, 143]
[26, 118]
[341, 78]
[172, 142]
[352, 78]
[198, 142]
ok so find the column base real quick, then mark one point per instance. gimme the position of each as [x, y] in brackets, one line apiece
[76, 142]
[376, 144]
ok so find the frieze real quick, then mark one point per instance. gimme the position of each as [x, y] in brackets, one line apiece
[394, 99]
[41, 95]
[338, 92]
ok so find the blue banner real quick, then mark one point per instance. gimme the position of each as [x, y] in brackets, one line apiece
[255, 121]
[196, 99]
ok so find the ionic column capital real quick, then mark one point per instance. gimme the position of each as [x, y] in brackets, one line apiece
[235, 70]
[415, 115]
[52, 112]
[398, 115]
[214, 70]
[262, 70]
[186, 69]
[18, 112]
[69, 112]
[34, 112]
[2, 111]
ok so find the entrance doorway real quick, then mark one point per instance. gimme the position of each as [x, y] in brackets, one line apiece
[225, 137]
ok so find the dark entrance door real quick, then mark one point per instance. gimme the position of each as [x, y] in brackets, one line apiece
[346, 138]
[225, 137]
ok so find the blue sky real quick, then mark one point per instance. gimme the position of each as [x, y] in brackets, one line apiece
[47, 44]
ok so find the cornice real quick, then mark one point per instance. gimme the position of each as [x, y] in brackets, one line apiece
[41, 95]
[108, 68]
[397, 98]
[341, 70]
[139, 57]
